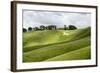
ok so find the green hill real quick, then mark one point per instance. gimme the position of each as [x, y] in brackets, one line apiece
[55, 45]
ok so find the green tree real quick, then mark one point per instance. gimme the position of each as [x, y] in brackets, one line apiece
[30, 29]
[65, 27]
[24, 30]
[72, 27]
[42, 27]
[52, 27]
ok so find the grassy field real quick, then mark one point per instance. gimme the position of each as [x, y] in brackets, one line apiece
[56, 45]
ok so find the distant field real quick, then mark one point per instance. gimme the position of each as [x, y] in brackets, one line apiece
[56, 45]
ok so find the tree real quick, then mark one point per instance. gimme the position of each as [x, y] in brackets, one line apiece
[52, 27]
[72, 27]
[24, 30]
[36, 28]
[65, 27]
[46, 27]
[42, 27]
[30, 29]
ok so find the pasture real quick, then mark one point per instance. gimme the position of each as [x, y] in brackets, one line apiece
[57, 45]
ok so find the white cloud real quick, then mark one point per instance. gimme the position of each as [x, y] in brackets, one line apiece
[37, 18]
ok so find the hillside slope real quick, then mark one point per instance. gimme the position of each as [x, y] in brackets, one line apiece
[55, 45]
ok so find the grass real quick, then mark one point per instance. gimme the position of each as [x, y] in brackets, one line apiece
[55, 45]
[82, 53]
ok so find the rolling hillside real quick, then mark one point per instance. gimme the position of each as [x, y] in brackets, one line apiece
[56, 45]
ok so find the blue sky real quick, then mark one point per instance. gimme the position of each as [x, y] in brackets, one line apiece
[37, 18]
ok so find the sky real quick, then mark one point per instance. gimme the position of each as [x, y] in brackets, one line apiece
[33, 18]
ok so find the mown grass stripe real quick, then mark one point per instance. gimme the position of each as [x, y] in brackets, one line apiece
[51, 51]
[82, 53]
